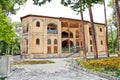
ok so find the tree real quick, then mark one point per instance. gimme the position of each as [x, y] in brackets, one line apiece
[116, 6]
[9, 5]
[93, 34]
[83, 34]
[112, 39]
[7, 32]
[106, 28]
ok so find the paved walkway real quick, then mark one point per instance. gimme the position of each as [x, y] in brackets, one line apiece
[56, 71]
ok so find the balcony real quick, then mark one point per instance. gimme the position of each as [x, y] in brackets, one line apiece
[52, 31]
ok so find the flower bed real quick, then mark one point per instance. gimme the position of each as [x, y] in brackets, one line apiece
[106, 65]
[33, 62]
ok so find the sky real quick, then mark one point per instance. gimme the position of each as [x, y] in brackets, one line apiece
[55, 9]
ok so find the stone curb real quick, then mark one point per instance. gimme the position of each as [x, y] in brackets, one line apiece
[103, 75]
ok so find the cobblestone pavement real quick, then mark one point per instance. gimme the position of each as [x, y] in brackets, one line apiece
[56, 71]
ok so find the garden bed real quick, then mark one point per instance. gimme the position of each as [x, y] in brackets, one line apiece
[33, 62]
[105, 65]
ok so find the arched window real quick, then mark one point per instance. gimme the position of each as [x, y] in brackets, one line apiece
[91, 49]
[77, 43]
[100, 29]
[37, 24]
[101, 42]
[49, 41]
[90, 30]
[91, 42]
[55, 41]
[26, 42]
[37, 41]
[27, 29]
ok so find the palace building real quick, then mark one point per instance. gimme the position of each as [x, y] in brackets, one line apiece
[45, 36]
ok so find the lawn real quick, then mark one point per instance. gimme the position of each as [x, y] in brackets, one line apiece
[33, 62]
[105, 65]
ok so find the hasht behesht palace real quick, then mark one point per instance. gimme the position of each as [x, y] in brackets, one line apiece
[45, 36]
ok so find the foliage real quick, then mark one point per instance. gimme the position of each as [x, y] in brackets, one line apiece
[74, 4]
[6, 28]
[8, 39]
[103, 65]
[9, 5]
[33, 62]
[114, 40]
[118, 73]
[2, 78]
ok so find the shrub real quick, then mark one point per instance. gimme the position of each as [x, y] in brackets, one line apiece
[103, 65]
[34, 62]
[118, 73]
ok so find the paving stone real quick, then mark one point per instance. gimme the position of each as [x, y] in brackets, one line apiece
[56, 71]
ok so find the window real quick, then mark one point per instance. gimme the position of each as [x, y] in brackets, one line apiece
[77, 33]
[49, 41]
[27, 29]
[100, 29]
[26, 42]
[91, 49]
[101, 42]
[37, 24]
[90, 31]
[55, 41]
[81, 43]
[91, 42]
[77, 43]
[37, 41]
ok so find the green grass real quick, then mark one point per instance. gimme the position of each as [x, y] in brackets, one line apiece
[33, 62]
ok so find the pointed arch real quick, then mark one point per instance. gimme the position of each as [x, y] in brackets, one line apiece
[55, 41]
[37, 41]
[52, 28]
[37, 24]
[49, 41]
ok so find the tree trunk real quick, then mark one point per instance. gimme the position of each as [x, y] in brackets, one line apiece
[106, 30]
[69, 37]
[83, 37]
[93, 34]
[118, 23]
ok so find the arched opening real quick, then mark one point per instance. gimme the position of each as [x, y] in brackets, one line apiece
[101, 42]
[90, 42]
[77, 33]
[71, 35]
[100, 29]
[52, 28]
[25, 45]
[64, 35]
[90, 31]
[49, 41]
[27, 29]
[67, 45]
[55, 41]
[37, 24]
[67, 34]
[37, 41]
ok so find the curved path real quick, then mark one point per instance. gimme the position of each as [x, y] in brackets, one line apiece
[55, 71]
